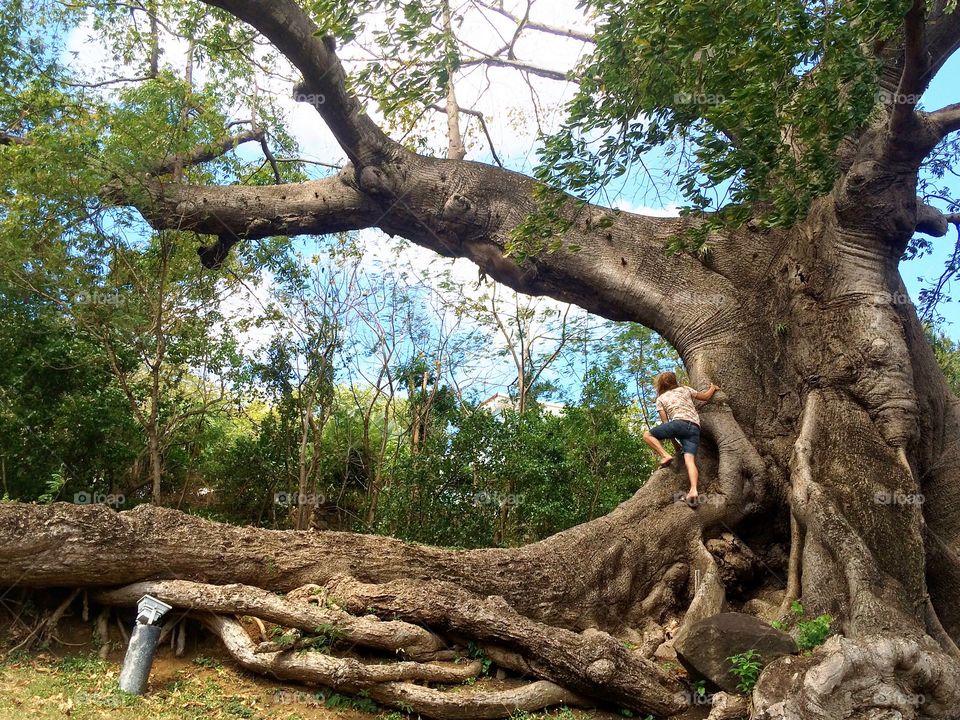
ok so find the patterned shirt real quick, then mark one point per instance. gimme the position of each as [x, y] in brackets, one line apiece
[678, 404]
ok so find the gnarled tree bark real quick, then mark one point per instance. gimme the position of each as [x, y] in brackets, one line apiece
[835, 435]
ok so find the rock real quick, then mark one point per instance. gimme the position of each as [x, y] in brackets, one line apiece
[781, 680]
[665, 652]
[728, 707]
[704, 647]
[760, 609]
[652, 639]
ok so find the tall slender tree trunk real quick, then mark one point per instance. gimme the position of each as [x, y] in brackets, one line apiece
[156, 465]
[304, 501]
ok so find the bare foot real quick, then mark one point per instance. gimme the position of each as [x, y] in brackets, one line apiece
[666, 461]
[693, 498]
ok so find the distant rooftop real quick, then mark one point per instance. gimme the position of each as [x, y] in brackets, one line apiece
[498, 402]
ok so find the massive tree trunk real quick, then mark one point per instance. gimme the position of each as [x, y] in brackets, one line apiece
[832, 451]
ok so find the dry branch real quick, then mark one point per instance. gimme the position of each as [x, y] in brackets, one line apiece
[391, 636]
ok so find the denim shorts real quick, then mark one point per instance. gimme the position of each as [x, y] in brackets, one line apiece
[686, 432]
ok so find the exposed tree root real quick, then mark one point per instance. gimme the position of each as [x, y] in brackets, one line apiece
[728, 707]
[389, 684]
[392, 636]
[800, 478]
[590, 663]
[45, 630]
[869, 677]
[709, 592]
[340, 673]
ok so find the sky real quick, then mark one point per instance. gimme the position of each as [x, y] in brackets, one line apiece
[516, 116]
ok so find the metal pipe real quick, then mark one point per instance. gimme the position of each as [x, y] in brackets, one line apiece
[143, 645]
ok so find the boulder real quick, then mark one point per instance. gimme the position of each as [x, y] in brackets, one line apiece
[704, 647]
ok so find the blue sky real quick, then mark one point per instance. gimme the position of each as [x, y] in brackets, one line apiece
[944, 90]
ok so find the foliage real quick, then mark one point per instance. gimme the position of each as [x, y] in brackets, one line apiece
[361, 702]
[809, 634]
[947, 353]
[746, 666]
[689, 78]
[518, 477]
[62, 415]
[477, 653]
[812, 633]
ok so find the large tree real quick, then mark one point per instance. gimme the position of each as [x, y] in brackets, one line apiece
[834, 420]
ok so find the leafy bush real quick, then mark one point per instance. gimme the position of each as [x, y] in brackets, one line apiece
[811, 633]
[746, 666]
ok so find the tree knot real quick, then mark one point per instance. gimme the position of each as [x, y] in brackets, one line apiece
[600, 671]
[373, 180]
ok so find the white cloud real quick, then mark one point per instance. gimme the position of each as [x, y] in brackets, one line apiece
[670, 210]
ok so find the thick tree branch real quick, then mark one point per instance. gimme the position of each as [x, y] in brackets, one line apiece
[613, 263]
[293, 33]
[68, 545]
[941, 38]
[8, 139]
[914, 69]
[946, 118]
[249, 212]
[931, 221]
[455, 208]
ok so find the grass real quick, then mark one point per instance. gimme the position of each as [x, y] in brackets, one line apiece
[84, 687]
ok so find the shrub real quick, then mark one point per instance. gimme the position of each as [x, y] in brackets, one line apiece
[811, 633]
[746, 666]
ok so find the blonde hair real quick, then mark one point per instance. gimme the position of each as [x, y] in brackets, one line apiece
[664, 382]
